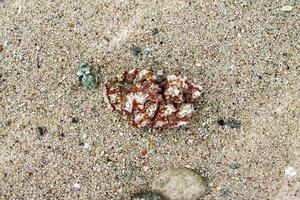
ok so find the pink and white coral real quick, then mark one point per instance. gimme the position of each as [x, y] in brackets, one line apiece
[147, 102]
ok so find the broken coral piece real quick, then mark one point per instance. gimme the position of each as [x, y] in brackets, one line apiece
[148, 102]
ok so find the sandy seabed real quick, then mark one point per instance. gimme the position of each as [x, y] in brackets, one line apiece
[59, 140]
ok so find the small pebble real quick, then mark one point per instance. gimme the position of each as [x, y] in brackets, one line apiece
[160, 72]
[233, 123]
[42, 130]
[287, 8]
[155, 31]
[75, 120]
[87, 146]
[148, 52]
[221, 122]
[179, 184]
[97, 168]
[77, 186]
[190, 141]
[137, 51]
[86, 109]
[145, 168]
[290, 172]
[225, 192]
[234, 166]
[1, 4]
[102, 153]
[130, 170]
[87, 77]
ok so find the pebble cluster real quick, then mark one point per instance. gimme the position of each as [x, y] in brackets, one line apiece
[148, 100]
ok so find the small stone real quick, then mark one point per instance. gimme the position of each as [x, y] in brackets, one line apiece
[160, 72]
[225, 192]
[87, 77]
[102, 153]
[190, 141]
[155, 31]
[221, 122]
[75, 120]
[77, 186]
[41, 130]
[145, 168]
[97, 168]
[233, 123]
[178, 184]
[137, 51]
[188, 166]
[147, 196]
[287, 8]
[130, 170]
[234, 166]
[290, 172]
[2, 5]
[148, 52]
[86, 109]
[87, 146]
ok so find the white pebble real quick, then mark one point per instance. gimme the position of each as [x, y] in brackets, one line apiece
[290, 172]
[102, 153]
[97, 168]
[190, 141]
[287, 8]
[77, 186]
[145, 168]
[160, 72]
[87, 146]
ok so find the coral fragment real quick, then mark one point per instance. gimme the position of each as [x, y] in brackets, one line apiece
[148, 102]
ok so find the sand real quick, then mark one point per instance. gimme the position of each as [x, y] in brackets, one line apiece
[245, 53]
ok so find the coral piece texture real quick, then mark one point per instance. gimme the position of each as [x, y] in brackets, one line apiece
[148, 101]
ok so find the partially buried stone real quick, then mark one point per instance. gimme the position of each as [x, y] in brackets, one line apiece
[234, 166]
[233, 123]
[41, 130]
[137, 51]
[225, 192]
[147, 196]
[178, 184]
[87, 77]
[287, 8]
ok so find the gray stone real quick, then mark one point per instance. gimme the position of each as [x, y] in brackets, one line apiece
[179, 184]
[87, 77]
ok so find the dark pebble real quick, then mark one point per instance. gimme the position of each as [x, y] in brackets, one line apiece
[221, 122]
[75, 120]
[225, 192]
[155, 31]
[41, 130]
[233, 123]
[136, 50]
[235, 166]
